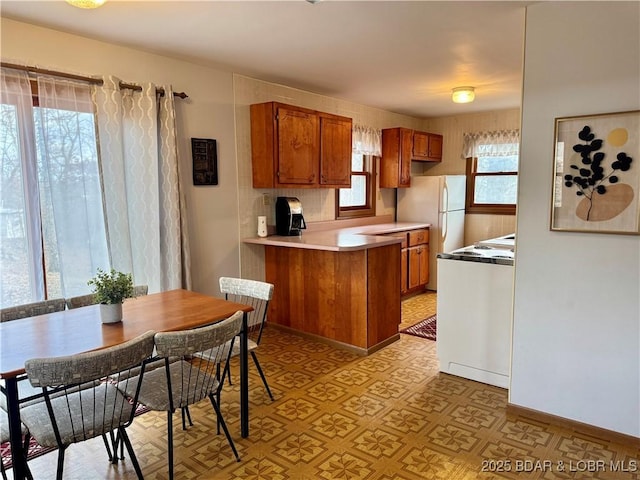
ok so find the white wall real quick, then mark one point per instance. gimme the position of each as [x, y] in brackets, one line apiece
[207, 113]
[576, 330]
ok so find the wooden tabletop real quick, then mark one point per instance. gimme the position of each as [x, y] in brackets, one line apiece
[80, 329]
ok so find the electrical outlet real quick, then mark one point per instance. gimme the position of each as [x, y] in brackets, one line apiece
[266, 200]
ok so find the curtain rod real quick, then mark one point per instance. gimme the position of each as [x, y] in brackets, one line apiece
[96, 81]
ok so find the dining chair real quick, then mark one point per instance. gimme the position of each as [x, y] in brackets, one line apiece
[81, 301]
[140, 290]
[77, 413]
[25, 389]
[89, 299]
[258, 295]
[4, 438]
[31, 309]
[189, 380]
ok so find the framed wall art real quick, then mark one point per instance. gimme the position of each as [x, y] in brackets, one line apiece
[596, 182]
[204, 154]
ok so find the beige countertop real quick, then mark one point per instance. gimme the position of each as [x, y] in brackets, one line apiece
[342, 239]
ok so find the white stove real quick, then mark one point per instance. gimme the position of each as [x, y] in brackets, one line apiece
[474, 334]
[506, 241]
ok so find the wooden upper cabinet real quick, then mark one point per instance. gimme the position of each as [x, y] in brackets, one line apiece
[427, 147]
[435, 147]
[399, 147]
[299, 148]
[297, 158]
[335, 147]
[420, 145]
[395, 165]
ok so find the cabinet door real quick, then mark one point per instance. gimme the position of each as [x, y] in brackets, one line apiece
[335, 152]
[420, 146]
[297, 147]
[424, 264]
[404, 270]
[435, 147]
[395, 166]
[406, 146]
[418, 266]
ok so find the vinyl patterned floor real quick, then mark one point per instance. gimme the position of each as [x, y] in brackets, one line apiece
[388, 416]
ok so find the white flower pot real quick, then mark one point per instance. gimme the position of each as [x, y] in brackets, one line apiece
[111, 313]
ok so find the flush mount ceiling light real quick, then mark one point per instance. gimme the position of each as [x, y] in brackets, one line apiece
[86, 3]
[463, 94]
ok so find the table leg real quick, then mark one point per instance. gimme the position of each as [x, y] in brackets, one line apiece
[244, 379]
[15, 430]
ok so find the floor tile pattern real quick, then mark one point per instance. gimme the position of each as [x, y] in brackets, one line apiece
[340, 416]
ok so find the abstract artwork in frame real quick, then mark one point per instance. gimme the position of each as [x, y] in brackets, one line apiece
[597, 174]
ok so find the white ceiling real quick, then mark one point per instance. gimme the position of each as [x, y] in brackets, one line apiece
[403, 57]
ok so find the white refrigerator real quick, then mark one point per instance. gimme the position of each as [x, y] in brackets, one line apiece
[440, 201]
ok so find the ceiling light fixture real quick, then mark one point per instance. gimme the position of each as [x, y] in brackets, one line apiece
[86, 3]
[463, 94]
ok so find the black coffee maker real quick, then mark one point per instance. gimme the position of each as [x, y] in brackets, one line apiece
[289, 219]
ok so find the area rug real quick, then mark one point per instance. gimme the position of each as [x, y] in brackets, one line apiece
[424, 329]
[35, 449]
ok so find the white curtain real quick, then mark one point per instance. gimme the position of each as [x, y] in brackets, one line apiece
[71, 203]
[51, 206]
[367, 140]
[20, 225]
[141, 182]
[501, 143]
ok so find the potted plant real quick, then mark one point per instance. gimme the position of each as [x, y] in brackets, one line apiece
[110, 289]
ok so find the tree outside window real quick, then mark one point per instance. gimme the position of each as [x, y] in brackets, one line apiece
[492, 172]
[359, 200]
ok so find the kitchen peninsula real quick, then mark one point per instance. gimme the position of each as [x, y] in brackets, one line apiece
[341, 284]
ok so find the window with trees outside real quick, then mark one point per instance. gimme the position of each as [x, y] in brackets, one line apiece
[359, 200]
[492, 173]
[51, 199]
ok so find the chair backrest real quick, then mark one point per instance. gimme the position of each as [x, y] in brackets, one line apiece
[80, 400]
[191, 379]
[81, 301]
[140, 290]
[31, 309]
[249, 292]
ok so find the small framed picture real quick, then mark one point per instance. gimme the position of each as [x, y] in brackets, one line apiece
[205, 161]
[596, 174]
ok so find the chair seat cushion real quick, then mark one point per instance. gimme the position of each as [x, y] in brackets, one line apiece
[186, 388]
[80, 415]
[4, 427]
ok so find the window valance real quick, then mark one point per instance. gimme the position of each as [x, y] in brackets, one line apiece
[499, 143]
[367, 140]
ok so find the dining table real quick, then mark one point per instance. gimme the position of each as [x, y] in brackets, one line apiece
[79, 330]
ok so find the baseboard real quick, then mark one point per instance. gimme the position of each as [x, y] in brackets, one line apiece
[573, 425]
[335, 343]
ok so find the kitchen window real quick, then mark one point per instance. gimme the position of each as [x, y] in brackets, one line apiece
[359, 200]
[492, 172]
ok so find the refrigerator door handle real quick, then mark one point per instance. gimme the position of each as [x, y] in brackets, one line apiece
[444, 226]
[445, 197]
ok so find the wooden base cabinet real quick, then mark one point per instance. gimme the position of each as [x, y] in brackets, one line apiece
[351, 297]
[414, 259]
[418, 267]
